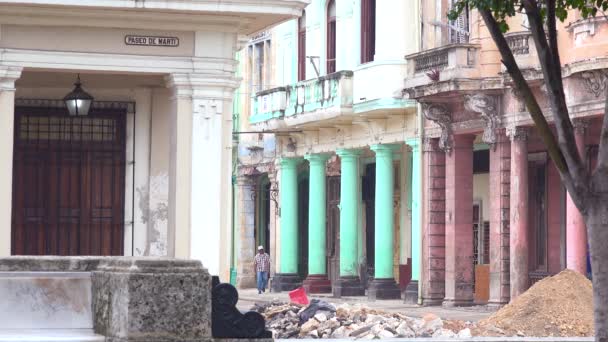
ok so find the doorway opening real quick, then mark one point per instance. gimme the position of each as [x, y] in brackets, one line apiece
[68, 182]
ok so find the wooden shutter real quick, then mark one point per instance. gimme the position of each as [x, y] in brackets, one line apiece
[368, 30]
[331, 37]
[302, 47]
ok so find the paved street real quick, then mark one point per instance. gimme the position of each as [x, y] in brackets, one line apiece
[248, 297]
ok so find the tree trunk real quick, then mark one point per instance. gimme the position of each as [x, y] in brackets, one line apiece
[597, 232]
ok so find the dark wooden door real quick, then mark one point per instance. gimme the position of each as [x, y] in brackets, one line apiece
[68, 183]
[369, 198]
[303, 227]
[333, 227]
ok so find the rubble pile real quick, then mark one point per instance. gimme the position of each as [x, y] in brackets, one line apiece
[323, 320]
[561, 305]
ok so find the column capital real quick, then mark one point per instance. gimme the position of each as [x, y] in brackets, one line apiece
[202, 85]
[413, 143]
[8, 76]
[348, 153]
[319, 158]
[289, 162]
[384, 148]
[518, 133]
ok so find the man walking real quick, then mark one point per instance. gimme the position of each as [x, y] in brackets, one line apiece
[261, 264]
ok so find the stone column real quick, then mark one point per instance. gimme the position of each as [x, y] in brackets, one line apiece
[288, 278]
[411, 292]
[245, 240]
[274, 225]
[500, 164]
[8, 76]
[518, 242]
[433, 240]
[349, 283]
[576, 231]
[199, 190]
[317, 281]
[459, 268]
[384, 286]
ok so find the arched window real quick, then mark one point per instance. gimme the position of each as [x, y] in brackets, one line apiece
[368, 30]
[331, 36]
[302, 47]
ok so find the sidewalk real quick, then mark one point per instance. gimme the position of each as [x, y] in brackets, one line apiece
[248, 297]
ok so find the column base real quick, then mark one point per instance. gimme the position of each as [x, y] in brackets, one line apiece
[348, 286]
[317, 283]
[450, 302]
[286, 282]
[496, 305]
[383, 289]
[246, 281]
[411, 293]
[431, 302]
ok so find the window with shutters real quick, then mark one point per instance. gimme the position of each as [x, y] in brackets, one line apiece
[302, 47]
[459, 28]
[368, 30]
[259, 62]
[331, 36]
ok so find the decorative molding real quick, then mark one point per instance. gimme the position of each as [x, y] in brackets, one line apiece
[439, 114]
[8, 76]
[518, 133]
[595, 81]
[487, 106]
[333, 168]
[521, 103]
[580, 126]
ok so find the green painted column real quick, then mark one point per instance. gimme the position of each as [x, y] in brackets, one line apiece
[384, 219]
[416, 196]
[349, 196]
[289, 215]
[316, 215]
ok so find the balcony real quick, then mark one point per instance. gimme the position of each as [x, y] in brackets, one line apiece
[308, 101]
[445, 63]
[524, 50]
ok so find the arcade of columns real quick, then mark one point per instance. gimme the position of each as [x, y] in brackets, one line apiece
[317, 281]
[448, 269]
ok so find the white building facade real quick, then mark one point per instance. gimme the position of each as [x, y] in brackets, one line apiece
[147, 171]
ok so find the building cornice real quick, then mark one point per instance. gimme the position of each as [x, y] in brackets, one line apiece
[239, 16]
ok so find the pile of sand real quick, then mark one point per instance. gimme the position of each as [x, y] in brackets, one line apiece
[561, 305]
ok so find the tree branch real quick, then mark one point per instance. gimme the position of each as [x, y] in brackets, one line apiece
[602, 157]
[534, 109]
[551, 66]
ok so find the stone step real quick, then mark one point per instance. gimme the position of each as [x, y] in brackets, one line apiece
[49, 335]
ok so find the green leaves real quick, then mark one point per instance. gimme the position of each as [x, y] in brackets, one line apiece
[503, 9]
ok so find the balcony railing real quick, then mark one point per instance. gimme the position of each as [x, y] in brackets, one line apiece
[319, 93]
[269, 104]
[448, 56]
[519, 42]
[437, 60]
[446, 62]
[333, 90]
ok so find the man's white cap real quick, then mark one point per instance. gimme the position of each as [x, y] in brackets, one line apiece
[260, 247]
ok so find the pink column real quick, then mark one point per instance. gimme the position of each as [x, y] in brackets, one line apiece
[500, 165]
[459, 223]
[433, 234]
[576, 232]
[519, 211]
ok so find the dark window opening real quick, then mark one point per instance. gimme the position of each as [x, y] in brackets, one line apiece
[331, 37]
[368, 30]
[302, 47]
[481, 161]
